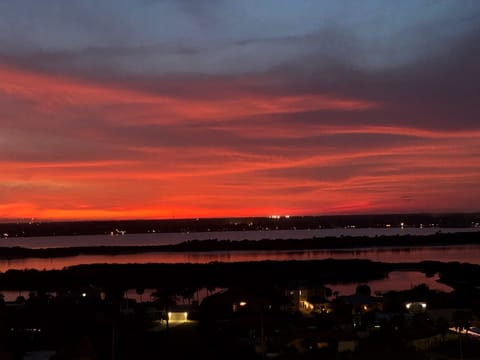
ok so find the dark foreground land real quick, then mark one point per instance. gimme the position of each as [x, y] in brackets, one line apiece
[116, 278]
[266, 309]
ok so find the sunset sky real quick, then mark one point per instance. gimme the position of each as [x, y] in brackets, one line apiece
[117, 109]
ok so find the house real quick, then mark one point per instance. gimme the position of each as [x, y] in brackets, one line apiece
[416, 306]
[425, 343]
[308, 297]
[88, 293]
[81, 349]
[38, 355]
[334, 340]
[179, 313]
[347, 345]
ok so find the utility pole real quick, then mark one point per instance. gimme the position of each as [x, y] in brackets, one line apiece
[262, 335]
[460, 345]
[113, 340]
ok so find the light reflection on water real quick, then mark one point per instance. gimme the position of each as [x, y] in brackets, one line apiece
[396, 281]
[460, 253]
[176, 238]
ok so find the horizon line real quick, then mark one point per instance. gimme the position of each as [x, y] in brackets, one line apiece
[271, 216]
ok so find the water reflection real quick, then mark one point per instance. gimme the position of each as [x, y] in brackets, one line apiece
[470, 254]
[175, 238]
[396, 281]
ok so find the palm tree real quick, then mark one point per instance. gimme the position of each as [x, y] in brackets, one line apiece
[164, 297]
[442, 325]
[363, 289]
[461, 321]
[140, 291]
[188, 293]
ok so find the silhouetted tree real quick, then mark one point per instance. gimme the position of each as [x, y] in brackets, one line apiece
[421, 291]
[461, 320]
[363, 289]
[187, 293]
[165, 298]
[328, 292]
[140, 291]
[442, 325]
[32, 297]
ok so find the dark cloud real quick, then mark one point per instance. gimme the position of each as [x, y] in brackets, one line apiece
[435, 92]
[352, 104]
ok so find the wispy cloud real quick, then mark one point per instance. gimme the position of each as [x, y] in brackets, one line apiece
[239, 109]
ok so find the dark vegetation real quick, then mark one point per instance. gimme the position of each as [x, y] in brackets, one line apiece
[111, 327]
[224, 275]
[216, 274]
[105, 325]
[345, 242]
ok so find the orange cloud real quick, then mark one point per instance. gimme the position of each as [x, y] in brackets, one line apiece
[53, 93]
[56, 167]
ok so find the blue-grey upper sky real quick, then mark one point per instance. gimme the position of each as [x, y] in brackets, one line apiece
[216, 36]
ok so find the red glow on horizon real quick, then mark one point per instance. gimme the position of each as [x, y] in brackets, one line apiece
[71, 151]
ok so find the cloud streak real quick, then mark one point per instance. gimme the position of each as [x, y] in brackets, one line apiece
[303, 110]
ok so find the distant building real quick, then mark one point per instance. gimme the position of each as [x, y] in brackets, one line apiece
[308, 297]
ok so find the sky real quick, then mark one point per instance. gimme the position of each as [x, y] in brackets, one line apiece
[141, 109]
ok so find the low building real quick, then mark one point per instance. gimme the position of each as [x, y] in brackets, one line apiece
[362, 303]
[308, 297]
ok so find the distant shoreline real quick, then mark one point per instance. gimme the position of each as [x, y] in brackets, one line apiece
[34, 228]
[326, 243]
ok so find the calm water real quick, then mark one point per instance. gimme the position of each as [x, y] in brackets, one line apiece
[461, 253]
[396, 281]
[175, 238]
